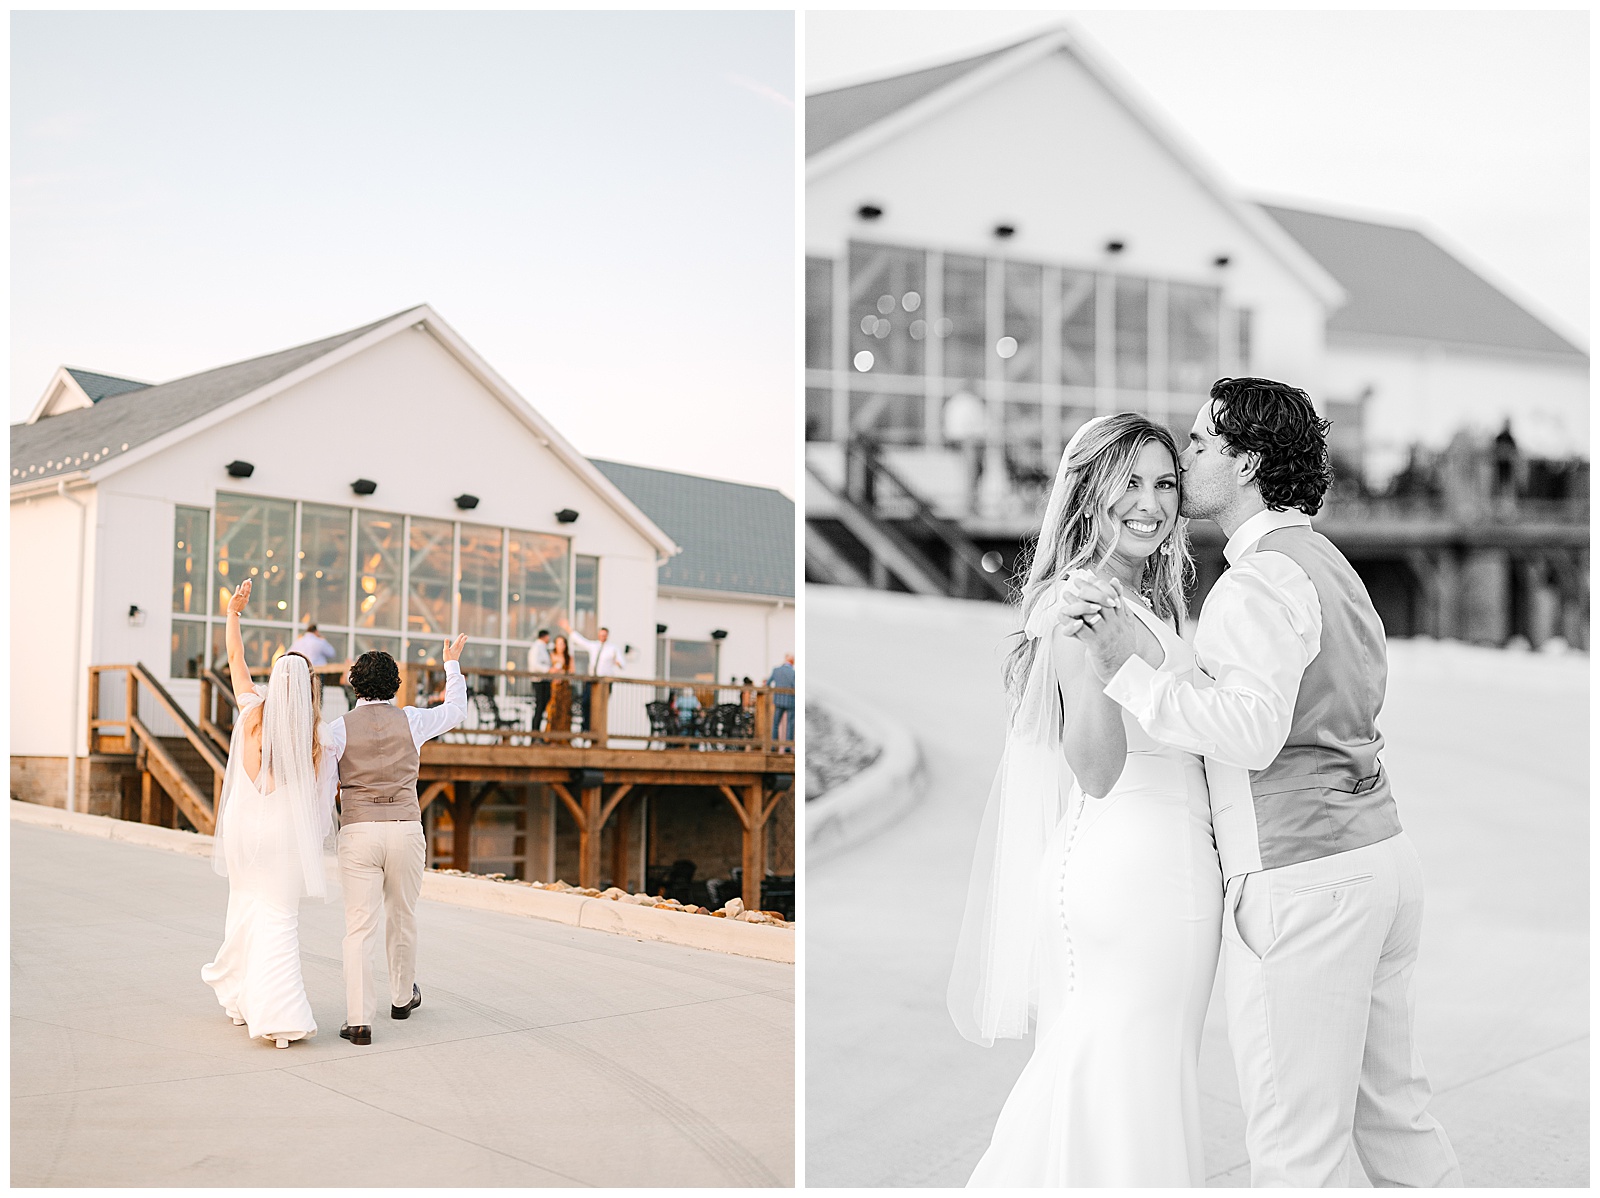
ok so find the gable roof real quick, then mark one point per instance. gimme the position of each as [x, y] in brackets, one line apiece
[832, 116]
[889, 107]
[122, 421]
[1401, 283]
[98, 386]
[735, 537]
[94, 443]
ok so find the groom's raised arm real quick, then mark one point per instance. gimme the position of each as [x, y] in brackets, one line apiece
[429, 722]
[1262, 629]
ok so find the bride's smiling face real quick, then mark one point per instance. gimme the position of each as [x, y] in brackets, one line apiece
[1144, 515]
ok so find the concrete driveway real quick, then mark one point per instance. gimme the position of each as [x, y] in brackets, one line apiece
[542, 1054]
[1489, 755]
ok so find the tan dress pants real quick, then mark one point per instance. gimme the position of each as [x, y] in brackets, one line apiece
[1319, 964]
[380, 863]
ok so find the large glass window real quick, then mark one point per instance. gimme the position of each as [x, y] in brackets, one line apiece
[586, 595]
[429, 572]
[1191, 337]
[690, 661]
[262, 645]
[887, 315]
[892, 419]
[1133, 333]
[255, 540]
[188, 648]
[819, 313]
[189, 558]
[962, 324]
[378, 553]
[1077, 328]
[480, 580]
[1019, 343]
[538, 583]
[324, 564]
[819, 414]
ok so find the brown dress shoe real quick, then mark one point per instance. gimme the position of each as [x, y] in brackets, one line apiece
[405, 1011]
[360, 1034]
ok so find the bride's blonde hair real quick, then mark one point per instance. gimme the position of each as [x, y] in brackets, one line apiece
[1078, 531]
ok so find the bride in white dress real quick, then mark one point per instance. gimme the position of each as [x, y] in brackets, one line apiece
[273, 829]
[1096, 893]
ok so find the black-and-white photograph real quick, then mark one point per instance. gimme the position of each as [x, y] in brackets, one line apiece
[1197, 599]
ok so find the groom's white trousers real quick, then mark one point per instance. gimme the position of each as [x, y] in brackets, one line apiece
[380, 863]
[1319, 971]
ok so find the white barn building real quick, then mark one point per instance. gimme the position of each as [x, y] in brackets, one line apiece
[1016, 233]
[385, 483]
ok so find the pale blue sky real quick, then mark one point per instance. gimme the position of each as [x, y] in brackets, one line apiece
[602, 204]
[1475, 124]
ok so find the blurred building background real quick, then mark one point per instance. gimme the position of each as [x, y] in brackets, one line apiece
[1001, 247]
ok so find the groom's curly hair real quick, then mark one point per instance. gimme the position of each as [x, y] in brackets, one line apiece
[1280, 423]
[375, 676]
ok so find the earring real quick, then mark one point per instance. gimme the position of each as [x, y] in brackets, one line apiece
[1166, 547]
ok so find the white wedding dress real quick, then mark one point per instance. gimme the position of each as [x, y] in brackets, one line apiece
[1131, 896]
[256, 974]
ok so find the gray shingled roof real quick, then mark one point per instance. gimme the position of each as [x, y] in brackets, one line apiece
[832, 116]
[121, 422]
[735, 537]
[98, 386]
[1401, 284]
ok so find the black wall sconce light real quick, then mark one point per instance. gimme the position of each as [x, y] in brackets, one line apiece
[566, 516]
[363, 486]
[661, 630]
[240, 469]
[719, 634]
[1221, 260]
[869, 212]
[1005, 231]
[135, 615]
[1116, 247]
[466, 502]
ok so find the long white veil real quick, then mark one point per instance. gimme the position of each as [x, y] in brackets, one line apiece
[288, 722]
[994, 988]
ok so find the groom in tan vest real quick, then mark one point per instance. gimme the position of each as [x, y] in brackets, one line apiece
[382, 849]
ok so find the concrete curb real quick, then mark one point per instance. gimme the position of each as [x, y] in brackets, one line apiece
[864, 805]
[733, 936]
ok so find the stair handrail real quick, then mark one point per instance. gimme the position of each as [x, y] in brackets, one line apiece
[957, 541]
[191, 731]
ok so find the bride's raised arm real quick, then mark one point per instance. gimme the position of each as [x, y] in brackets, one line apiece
[1092, 736]
[238, 667]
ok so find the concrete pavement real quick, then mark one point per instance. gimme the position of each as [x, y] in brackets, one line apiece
[1489, 755]
[542, 1054]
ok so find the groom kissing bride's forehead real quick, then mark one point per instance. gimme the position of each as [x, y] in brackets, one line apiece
[1225, 797]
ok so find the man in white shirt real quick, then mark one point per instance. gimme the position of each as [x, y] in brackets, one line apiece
[539, 663]
[314, 647]
[382, 848]
[605, 655]
[1322, 909]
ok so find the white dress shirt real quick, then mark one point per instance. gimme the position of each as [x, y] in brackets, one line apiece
[1260, 628]
[605, 657]
[539, 662]
[426, 722]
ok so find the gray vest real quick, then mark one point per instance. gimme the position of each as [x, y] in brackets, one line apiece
[378, 772]
[1327, 792]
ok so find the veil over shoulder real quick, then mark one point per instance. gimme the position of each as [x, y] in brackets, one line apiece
[993, 989]
[312, 814]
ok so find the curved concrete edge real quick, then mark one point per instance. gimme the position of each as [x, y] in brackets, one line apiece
[171, 839]
[732, 936]
[880, 794]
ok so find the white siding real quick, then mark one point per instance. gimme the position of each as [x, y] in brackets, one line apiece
[760, 631]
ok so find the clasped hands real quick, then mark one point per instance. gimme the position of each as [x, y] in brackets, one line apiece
[1093, 611]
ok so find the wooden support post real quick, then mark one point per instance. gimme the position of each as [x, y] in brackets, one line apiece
[147, 803]
[755, 846]
[599, 713]
[620, 835]
[94, 710]
[133, 704]
[589, 839]
[764, 720]
[461, 813]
